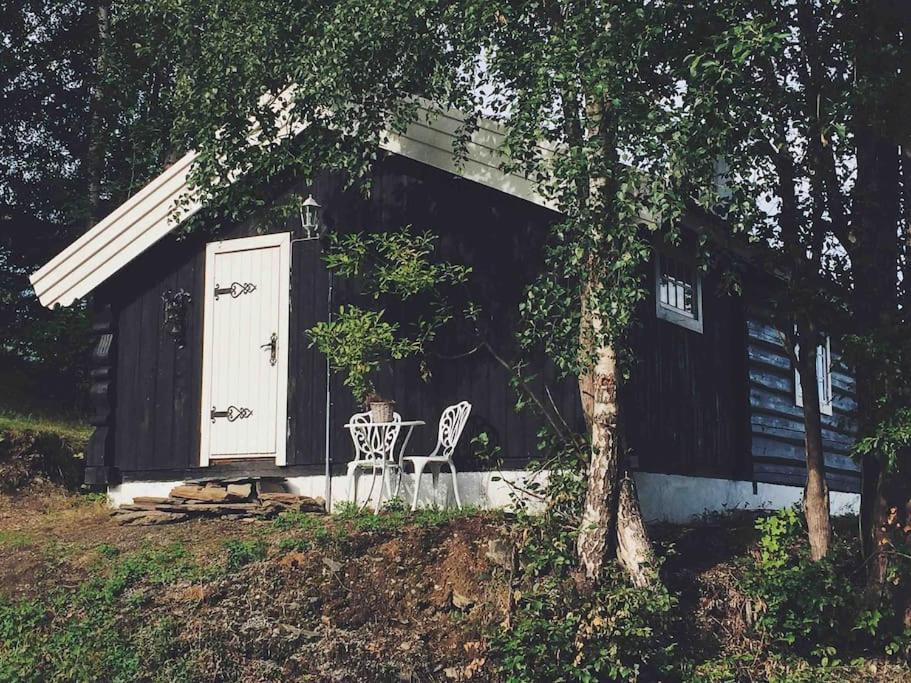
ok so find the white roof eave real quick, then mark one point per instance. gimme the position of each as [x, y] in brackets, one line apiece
[167, 201]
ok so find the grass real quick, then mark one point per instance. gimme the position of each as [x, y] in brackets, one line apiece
[67, 428]
[77, 635]
[12, 539]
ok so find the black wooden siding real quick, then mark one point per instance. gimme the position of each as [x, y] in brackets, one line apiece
[716, 404]
[776, 422]
[157, 404]
[684, 407]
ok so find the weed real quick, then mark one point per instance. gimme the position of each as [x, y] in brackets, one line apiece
[290, 519]
[394, 505]
[13, 540]
[338, 537]
[347, 511]
[77, 635]
[387, 521]
[107, 551]
[244, 552]
[90, 498]
[295, 544]
[435, 516]
[164, 656]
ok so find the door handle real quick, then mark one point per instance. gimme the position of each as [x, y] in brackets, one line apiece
[272, 345]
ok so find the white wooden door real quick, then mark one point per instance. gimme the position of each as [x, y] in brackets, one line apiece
[245, 349]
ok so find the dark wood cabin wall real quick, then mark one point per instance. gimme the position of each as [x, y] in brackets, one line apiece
[684, 406]
[158, 402]
[776, 422]
[501, 238]
[158, 398]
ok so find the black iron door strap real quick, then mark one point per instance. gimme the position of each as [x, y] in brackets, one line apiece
[231, 414]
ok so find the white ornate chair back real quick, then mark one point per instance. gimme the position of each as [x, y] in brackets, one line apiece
[452, 422]
[373, 441]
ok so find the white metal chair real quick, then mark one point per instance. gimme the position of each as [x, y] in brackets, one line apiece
[452, 422]
[373, 450]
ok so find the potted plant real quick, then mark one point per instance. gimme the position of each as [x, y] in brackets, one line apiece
[391, 268]
[381, 409]
[357, 343]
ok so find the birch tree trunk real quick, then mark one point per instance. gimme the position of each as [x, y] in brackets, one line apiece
[609, 508]
[599, 392]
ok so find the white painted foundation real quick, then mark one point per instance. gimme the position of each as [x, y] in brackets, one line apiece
[664, 497]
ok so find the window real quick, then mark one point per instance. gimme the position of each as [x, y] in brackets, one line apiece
[678, 294]
[823, 378]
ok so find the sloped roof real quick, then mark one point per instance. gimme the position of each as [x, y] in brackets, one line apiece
[167, 201]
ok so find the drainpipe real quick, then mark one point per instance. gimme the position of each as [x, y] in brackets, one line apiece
[328, 495]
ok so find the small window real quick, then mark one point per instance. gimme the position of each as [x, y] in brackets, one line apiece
[823, 378]
[678, 294]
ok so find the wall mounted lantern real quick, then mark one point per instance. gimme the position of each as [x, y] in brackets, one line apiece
[175, 305]
[310, 212]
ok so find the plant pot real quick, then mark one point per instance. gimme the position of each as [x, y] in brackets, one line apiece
[381, 411]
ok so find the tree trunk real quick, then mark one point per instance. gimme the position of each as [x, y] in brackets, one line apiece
[634, 549]
[816, 491]
[599, 398]
[598, 389]
[874, 256]
[94, 160]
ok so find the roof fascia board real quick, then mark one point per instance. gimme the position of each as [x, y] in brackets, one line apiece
[167, 201]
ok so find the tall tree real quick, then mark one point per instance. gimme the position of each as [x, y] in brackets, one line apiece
[791, 94]
[879, 35]
[83, 127]
[576, 84]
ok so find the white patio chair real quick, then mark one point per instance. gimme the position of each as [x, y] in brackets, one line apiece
[373, 450]
[452, 422]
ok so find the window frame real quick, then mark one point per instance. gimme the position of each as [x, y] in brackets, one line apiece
[824, 383]
[672, 314]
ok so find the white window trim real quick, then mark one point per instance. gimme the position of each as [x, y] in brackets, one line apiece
[825, 394]
[672, 314]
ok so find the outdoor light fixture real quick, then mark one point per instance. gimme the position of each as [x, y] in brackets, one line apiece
[310, 218]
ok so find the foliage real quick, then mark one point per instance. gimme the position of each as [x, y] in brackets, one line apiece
[815, 608]
[358, 342]
[40, 448]
[804, 604]
[891, 439]
[399, 263]
[242, 552]
[68, 90]
[78, 635]
[291, 519]
[562, 629]
[395, 515]
[398, 268]
[792, 139]
[77, 433]
[616, 632]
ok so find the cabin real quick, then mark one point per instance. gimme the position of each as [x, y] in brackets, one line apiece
[202, 368]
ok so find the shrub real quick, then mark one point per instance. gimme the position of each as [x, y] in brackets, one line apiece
[616, 632]
[802, 603]
[241, 553]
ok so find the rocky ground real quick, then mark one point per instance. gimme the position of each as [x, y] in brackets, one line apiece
[334, 600]
[305, 596]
